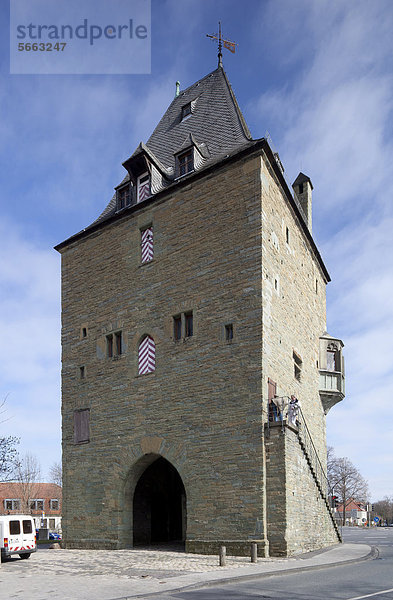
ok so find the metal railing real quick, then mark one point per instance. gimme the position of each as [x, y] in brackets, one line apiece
[286, 411]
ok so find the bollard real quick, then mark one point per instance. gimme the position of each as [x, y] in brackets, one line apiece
[223, 555]
[254, 552]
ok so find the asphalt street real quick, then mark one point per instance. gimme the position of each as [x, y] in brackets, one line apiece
[368, 579]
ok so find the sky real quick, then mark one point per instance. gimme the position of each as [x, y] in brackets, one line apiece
[317, 76]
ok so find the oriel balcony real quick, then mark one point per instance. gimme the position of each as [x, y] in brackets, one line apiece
[331, 371]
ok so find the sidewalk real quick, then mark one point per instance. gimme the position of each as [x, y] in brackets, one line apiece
[126, 574]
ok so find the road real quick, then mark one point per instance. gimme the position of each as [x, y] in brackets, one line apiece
[371, 579]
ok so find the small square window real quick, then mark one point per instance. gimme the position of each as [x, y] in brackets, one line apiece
[177, 327]
[186, 110]
[229, 332]
[188, 322]
[54, 504]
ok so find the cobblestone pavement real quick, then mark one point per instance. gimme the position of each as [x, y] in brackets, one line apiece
[125, 574]
[124, 564]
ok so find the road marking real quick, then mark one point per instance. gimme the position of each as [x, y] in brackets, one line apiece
[371, 595]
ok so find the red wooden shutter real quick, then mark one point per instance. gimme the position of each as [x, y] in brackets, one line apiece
[147, 248]
[147, 356]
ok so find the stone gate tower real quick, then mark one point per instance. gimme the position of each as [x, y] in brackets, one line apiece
[192, 309]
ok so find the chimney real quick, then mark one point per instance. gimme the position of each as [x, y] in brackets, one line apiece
[303, 187]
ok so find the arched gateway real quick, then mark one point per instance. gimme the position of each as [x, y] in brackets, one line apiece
[157, 502]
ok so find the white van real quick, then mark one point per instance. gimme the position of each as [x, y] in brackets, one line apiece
[17, 535]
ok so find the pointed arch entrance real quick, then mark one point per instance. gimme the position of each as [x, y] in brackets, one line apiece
[159, 505]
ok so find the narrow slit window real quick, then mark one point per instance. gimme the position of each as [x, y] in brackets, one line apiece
[189, 325]
[109, 346]
[287, 235]
[297, 363]
[177, 327]
[84, 332]
[229, 332]
[118, 343]
[82, 372]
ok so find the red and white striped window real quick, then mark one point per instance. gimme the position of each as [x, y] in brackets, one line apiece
[147, 356]
[143, 187]
[147, 249]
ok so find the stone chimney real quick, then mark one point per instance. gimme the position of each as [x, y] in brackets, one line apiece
[303, 187]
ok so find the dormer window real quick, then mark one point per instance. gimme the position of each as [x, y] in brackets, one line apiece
[186, 111]
[123, 197]
[143, 187]
[186, 162]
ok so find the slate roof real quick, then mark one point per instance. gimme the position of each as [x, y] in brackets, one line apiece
[216, 126]
[216, 120]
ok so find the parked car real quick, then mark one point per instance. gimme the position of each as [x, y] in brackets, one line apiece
[54, 536]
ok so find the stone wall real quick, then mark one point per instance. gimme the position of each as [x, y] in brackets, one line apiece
[202, 404]
[294, 306]
[298, 519]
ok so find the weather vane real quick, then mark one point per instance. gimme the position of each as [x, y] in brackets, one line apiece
[231, 46]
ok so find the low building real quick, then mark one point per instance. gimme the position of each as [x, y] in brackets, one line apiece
[43, 501]
[355, 513]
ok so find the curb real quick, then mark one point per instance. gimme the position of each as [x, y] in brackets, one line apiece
[372, 555]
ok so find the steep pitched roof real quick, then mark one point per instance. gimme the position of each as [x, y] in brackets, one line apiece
[215, 125]
[215, 120]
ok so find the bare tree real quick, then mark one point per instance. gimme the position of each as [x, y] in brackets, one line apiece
[345, 481]
[28, 475]
[8, 457]
[8, 451]
[384, 509]
[55, 473]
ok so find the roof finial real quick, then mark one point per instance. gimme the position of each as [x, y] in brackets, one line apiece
[177, 89]
[227, 44]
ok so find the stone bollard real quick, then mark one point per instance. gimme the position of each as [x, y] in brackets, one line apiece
[254, 552]
[223, 555]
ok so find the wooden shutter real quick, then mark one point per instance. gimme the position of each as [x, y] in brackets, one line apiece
[81, 426]
[147, 249]
[146, 356]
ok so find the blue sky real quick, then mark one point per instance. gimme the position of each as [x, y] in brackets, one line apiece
[317, 75]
